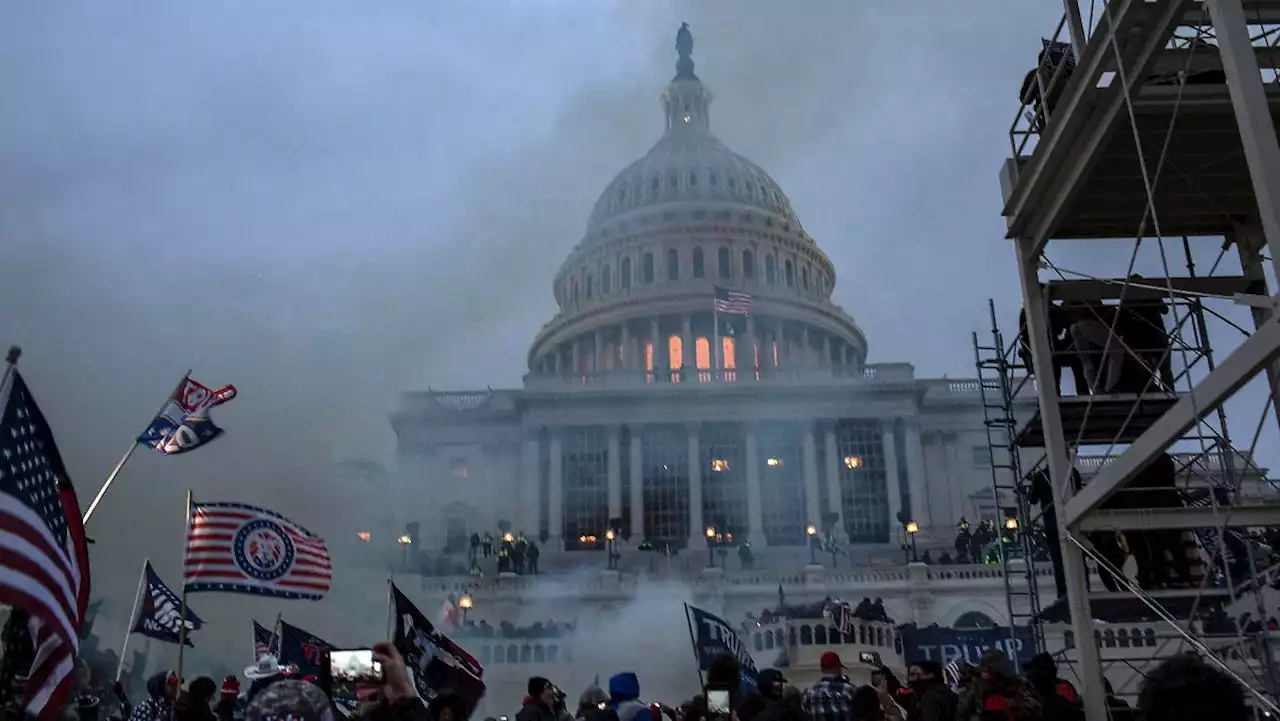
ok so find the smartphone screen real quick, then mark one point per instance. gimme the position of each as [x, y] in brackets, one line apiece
[717, 703]
[352, 671]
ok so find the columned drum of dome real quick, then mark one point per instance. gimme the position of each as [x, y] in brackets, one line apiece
[636, 293]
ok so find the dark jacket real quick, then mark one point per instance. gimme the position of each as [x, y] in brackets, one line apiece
[935, 702]
[536, 711]
[781, 709]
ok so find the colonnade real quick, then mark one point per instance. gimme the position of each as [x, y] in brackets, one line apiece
[816, 481]
[647, 345]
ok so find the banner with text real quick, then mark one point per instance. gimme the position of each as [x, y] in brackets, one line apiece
[965, 645]
[713, 636]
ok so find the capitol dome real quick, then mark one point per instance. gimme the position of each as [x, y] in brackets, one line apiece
[687, 223]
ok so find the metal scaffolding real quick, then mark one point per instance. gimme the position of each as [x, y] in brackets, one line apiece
[1178, 142]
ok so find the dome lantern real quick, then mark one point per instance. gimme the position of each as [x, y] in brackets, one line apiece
[686, 100]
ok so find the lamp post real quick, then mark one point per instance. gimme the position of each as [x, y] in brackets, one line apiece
[405, 541]
[912, 529]
[811, 532]
[610, 542]
[464, 603]
[711, 549]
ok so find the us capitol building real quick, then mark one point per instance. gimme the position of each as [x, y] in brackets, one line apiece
[639, 415]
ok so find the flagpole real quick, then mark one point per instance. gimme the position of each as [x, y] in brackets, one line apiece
[182, 618]
[693, 641]
[128, 631]
[11, 364]
[125, 459]
[275, 631]
[715, 320]
[391, 606]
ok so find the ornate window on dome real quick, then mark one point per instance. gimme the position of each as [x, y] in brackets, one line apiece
[789, 273]
[804, 280]
[751, 188]
[646, 268]
[770, 270]
[673, 264]
[713, 179]
[624, 274]
[657, 184]
[575, 292]
[605, 281]
[673, 181]
[722, 263]
[590, 285]
[733, 184]
[748, 265]
[693, 178]
[699, 269]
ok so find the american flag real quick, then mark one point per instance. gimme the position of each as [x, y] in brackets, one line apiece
[265, 641]
[239, 548]
[951, 674]
[46, 566]
[733, 302]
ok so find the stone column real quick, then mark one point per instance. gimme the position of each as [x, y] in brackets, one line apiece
[637, 484]
[915, 470]
[806, 355]
[697, 537]
[555, 494]
[835, 497]
[614, 464]
[825, 361]
[749, 338]
[627, 356]
[688, 350]
[655, 340]
[576, 356]
[813, 510]
[892, 485]
[597, 353]
[530, 485]
[755, 506]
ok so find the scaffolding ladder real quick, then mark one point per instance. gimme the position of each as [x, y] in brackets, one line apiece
[999, 388]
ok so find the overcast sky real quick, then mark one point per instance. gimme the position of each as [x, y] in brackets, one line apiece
[326, 203]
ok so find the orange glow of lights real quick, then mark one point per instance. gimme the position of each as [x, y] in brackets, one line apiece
[852, 462]
[702, 352]
[728, 353]
[719, 465]
[365, 536]
[676, 355]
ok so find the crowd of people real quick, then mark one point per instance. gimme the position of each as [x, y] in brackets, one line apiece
[506, 629]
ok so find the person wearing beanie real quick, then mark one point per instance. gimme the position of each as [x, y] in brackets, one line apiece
[225, 708]
[544, 700]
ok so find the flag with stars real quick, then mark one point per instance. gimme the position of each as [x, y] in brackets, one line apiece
[184, 423]
[265, 641]
[238, 548]
[46, 557]
[160, 616]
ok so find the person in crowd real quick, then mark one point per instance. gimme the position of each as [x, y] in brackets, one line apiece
[624, 696]
[831, 698]
[193, 704]
[1156, 486]
[1064, 351]
[1186, 688]
[1058, 699]
[1142, 327]
[1101, 352]
[162, 689]
[775, 706]
[531, 557]
[593, 705]
[544, 701]
[1117, 708]
[228, 695]
[447, 706]
[996, 692]
[398, 698]
[262, 674]
[931, 700]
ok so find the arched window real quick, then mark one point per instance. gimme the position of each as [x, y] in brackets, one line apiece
[722, 263]
[646, 268]
[591, 284]
[673, 264]
[698, 269]
[605, 281]
[748, 265]
[974, 619]
[789, 273]
[804, 277]
[624, 274]
[770, 270]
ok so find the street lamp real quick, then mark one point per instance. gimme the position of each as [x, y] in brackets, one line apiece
[1011, 523]
[912, 529]
[464, 603]
[810, 532]
[711, 551]
[610, 541]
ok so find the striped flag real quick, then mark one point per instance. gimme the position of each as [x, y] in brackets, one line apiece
[45, 567]
[237, 548]
[732, 302]
[951, 674]
[265, 641]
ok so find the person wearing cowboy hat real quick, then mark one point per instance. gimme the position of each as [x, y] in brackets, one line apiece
[262, 674]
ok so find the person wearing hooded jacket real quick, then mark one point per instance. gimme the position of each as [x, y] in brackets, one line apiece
[593, 705]
[777, 707]
[161, 690]
[624, 695]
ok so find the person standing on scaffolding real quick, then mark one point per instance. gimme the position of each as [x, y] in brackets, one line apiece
[1064, 352]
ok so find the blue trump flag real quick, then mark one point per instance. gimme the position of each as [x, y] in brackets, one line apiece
[303, 649]
[713, 636]
[159, 615]
[183, 424]
[966, 645]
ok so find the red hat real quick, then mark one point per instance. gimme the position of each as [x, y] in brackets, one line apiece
[231, 686]
[830, 660]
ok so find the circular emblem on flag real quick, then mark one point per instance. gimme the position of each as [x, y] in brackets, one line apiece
[264, 552]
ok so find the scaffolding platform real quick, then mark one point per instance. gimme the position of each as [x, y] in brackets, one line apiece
[1124, 607]
[1105, 420]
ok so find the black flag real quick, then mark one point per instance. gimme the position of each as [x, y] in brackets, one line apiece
[437, 663]
[160, 616]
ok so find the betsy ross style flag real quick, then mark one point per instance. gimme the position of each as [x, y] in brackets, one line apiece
[732, 302]
[160, 616]
[238, 548]
[45, 557]
[265, 641]
[184, 424]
